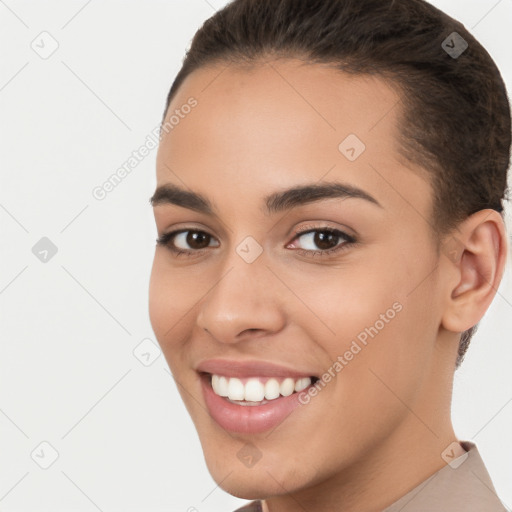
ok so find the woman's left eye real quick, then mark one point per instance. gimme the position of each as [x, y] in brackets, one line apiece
[328, 240]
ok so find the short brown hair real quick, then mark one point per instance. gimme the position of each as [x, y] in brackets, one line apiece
[456, 115]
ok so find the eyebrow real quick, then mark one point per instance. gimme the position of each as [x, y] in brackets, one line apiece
[276, 202]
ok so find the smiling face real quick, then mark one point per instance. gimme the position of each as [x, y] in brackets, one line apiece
[358, 295]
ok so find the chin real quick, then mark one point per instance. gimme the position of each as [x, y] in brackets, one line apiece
[249, 487]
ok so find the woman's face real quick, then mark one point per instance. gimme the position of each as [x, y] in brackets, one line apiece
[357, 297]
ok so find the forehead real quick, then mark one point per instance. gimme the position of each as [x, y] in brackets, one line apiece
[312, 101]
[284, 120]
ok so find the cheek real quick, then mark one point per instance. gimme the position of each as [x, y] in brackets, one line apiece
[377, 324]
[159, 301]
[168, 303]
[348, 303]
[385, 337]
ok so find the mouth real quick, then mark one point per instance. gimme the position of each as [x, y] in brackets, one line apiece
[252, 404]
[256, 390]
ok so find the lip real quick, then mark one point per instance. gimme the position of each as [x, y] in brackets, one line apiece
[249, 368]
[249, 419]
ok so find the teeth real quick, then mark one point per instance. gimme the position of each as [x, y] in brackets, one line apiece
[236, 389]
[254, 390]
[303, 383]
[272, 389]
[287, 387]
[223, 386]
[220, 385]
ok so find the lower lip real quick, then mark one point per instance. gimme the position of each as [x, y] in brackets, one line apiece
[247, 419]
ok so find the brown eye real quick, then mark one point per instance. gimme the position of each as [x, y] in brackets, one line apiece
[186, 241]
[323, 241]
[197, 239]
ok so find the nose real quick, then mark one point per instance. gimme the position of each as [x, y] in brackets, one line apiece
[244, 302]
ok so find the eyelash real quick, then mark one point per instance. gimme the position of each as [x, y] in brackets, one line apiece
[166, 239]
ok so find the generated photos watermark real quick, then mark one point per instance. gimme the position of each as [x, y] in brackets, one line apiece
[356, 346]
[100, 192]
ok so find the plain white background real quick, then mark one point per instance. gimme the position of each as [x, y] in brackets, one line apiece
[70, 325]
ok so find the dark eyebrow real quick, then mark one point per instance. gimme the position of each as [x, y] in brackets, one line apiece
[274, 203]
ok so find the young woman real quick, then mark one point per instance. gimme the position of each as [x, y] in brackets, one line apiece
[329, 205]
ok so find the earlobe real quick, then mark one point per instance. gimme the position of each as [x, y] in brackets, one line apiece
[479, 268]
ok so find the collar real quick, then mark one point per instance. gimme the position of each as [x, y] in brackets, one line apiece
[462, 485]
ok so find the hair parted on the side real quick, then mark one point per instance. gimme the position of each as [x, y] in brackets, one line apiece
[454, 114]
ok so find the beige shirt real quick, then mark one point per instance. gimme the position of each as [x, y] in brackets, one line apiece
[464, 485]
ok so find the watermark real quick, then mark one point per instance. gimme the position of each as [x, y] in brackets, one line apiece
[249, 249]
[147, 352]
[454, 455]
[44, 455]
[356, 346]
[249, 455]
[179, 114]
[352, 147]
[100, 192]
[454, 45]
[45, 45]
[44, 250]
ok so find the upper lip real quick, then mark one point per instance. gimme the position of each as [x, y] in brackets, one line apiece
[248, 368]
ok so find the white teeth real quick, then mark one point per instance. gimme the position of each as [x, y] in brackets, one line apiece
[303, 383]
[254, 390]
[236, 389]
[271, 389]
[287, 387]
[223, 386]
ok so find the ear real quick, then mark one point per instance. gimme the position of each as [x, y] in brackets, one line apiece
[476, 255]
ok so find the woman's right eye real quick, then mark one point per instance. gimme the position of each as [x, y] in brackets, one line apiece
[196, 240]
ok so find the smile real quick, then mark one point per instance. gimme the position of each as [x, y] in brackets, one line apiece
[251, 397]
[256, 390]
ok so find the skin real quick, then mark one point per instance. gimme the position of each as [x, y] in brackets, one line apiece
[379, 427]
